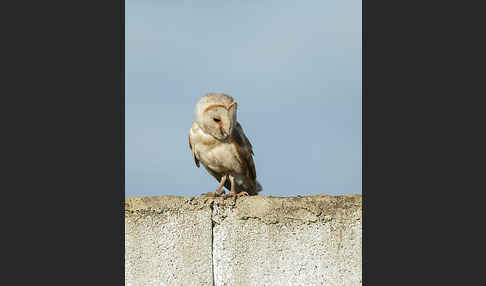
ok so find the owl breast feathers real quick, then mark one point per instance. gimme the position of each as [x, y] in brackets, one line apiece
[217, 140]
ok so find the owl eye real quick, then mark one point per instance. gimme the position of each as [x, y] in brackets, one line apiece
[216, 119]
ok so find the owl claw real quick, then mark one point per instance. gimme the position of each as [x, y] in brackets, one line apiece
[241, 194]
[212, 195]
[234, 195]
[225, 196]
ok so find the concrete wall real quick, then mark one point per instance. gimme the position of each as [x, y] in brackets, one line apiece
[258, 240]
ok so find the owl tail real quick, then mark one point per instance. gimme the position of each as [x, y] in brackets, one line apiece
[258, 188]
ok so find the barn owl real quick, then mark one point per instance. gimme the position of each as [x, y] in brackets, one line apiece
[217, 140]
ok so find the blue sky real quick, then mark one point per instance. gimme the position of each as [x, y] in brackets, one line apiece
[294, 68]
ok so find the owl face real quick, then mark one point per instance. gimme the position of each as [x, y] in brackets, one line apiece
[216, 115]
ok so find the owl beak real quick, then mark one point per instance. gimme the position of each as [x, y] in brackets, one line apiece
[224, 132]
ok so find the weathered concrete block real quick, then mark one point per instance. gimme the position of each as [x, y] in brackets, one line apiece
[288, 241]
[258, 240]
[167, 242]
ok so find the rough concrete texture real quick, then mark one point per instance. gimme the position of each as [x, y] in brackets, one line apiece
[258, 240]
[167, 242]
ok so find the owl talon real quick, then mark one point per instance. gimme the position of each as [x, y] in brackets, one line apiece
[241, 194]
[212, 195]
[235, 195]
[225, 196]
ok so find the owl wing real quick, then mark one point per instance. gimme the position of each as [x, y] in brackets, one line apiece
[245, 150]
[191, 146]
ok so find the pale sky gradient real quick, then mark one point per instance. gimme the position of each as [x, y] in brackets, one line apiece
[293, 66]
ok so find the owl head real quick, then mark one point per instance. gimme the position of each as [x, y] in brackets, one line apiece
[215, 113]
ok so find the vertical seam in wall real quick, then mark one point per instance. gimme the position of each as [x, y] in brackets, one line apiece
[212, 241]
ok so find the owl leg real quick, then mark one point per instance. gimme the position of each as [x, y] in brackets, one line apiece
[219, 191]
[232, 190]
